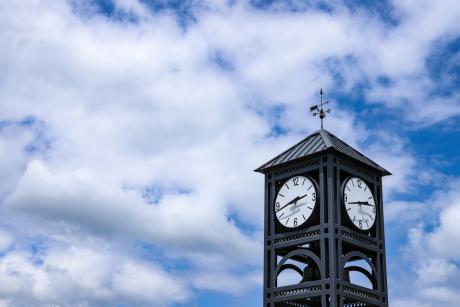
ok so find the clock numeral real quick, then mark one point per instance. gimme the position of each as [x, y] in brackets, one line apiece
[303, 181]
[360, 224]
[295, 222]
[346, 197]
[277, 206]
[295, 180]
[373, 209]
[359, 182]
[313, 196]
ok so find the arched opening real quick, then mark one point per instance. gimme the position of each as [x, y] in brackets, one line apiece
[298, 266]
[359, 272]
[290, 274]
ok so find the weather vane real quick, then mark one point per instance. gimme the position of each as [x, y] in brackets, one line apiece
[318, 109]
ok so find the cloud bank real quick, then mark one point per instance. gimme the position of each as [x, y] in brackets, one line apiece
[129, 133]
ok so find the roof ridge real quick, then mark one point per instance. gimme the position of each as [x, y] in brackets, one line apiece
[293, 146]
[326, 139]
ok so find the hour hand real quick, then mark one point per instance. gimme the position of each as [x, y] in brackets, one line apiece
[300, 197]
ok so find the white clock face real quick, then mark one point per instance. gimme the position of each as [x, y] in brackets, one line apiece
[295, 201]
[359, 203]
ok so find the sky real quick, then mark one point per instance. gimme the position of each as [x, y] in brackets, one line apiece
[130, 129]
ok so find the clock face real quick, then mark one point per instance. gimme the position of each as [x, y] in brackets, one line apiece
[359, 203]
[295, 201]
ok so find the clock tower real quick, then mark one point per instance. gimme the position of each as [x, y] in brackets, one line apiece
[324, 231]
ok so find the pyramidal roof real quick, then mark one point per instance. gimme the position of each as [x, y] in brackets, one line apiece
[316, 142]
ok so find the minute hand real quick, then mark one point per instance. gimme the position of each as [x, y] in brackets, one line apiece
[365, 203]
[296, 199]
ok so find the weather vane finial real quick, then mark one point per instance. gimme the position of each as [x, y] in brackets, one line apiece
[318, 109]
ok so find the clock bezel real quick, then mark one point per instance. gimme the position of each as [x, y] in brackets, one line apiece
[344, 209]
[311, 218]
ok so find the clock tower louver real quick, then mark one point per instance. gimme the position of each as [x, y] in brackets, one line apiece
[324, 230]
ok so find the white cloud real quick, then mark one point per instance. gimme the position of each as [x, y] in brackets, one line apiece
[444, 240]
[133, 106]
[134, 7]
[70, 203]
[400, 212]
[402, 55]
[5, 240]
[13, 141]
[81, 276]
[432, 249]
[229, 283]
[436, 271]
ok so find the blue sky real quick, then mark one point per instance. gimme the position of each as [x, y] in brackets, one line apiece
[129, 130]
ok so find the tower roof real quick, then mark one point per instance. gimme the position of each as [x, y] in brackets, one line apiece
[319, 141]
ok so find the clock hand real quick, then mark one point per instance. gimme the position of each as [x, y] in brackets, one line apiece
[292, 201]
[297, 198]
[365, 203]
[302, 197]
